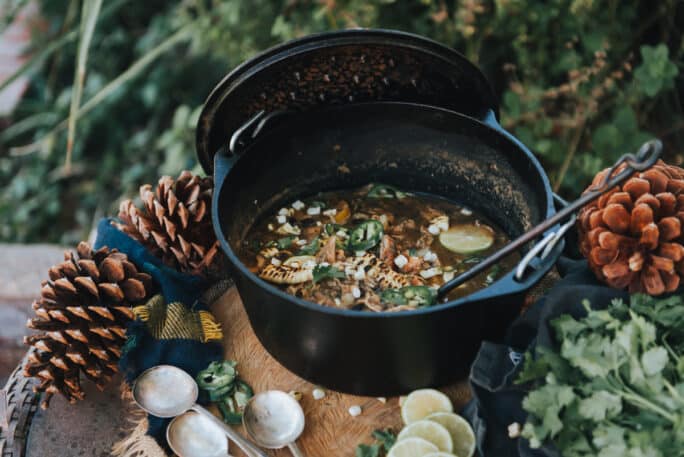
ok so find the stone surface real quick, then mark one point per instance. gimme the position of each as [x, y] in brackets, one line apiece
[88, 428]
[26, 267]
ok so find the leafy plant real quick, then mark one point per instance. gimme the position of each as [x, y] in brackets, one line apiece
[321, 272]
[614, 386]
[580, 82]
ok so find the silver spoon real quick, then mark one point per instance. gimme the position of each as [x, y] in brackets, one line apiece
[274, 419]
[167, 391]
[193, 435]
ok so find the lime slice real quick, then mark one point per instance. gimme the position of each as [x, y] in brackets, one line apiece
[412, 447]
[440, 454]
[421, 403]
[467, 238]
[461, 433]
[431, 431]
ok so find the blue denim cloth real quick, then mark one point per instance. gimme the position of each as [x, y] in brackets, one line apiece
[497, 400]
[142, 350]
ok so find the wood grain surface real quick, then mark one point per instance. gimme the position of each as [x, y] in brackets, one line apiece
[330, 429]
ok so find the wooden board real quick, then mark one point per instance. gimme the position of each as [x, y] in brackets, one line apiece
[330, 430]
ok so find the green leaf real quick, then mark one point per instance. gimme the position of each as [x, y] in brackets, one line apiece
[311, 248]
[385, 437]
[365, 450]
[654, 360]
[600, 405]
[321, 272]
[656, 72]
[285, 242]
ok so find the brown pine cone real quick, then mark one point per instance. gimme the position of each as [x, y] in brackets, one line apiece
[632, 235]
[175, 222]
[82, 315]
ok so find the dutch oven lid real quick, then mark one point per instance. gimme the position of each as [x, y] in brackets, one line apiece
[334, 68]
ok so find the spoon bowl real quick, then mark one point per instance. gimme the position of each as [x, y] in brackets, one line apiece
[274, 420]
[165, 391]
[194, 435]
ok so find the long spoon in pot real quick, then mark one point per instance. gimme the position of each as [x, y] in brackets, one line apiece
[644, 159]
[166, 391]
[274, 419]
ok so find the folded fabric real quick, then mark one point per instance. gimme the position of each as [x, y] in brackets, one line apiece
[172, 328]
[497, 400]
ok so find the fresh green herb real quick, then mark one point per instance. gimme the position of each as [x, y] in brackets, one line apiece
[614, 386]
[409, 295]
[285, 242]
[493, 274]
[311, 248]
[385, 191]
[331, 229]
[317, 204]
[365, 235]
[321, 272]
[385, 439]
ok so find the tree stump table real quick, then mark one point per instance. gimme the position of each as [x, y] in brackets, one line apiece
[92, 426]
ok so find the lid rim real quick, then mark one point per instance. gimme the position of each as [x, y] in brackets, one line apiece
[324, 40]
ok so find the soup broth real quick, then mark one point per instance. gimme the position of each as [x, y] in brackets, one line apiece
[374, 248]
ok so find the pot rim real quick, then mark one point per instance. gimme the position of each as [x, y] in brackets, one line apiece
[497, 289]
[221, 93]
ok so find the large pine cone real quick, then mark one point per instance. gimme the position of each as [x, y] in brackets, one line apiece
[632, 236]
[175, 222]
[82, 315]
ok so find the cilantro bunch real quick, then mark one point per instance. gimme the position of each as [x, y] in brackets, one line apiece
[614, 386]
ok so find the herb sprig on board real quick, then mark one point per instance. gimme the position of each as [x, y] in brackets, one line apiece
[614, 387]
[384, 440]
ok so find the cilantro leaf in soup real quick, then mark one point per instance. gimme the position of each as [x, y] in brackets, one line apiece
[321, 272]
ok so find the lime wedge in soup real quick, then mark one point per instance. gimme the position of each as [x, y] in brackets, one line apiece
[467, 238]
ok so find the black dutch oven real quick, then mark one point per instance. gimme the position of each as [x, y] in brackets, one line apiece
[344, 109]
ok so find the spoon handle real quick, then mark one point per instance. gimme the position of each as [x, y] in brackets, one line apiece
[250, 448]
[295, 450]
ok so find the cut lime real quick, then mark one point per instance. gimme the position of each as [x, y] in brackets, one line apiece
[467, 238]
[428, 430]
[412, 447]
[421, 403]
[461, 433]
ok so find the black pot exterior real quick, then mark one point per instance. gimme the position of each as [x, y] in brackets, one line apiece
[416, 147]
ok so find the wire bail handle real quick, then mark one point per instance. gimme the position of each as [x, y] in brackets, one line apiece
[647, 155]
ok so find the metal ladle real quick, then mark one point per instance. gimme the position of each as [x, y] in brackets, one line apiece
[166, 391]
[274, 419]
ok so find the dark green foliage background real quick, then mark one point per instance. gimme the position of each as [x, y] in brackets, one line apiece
[580, 82]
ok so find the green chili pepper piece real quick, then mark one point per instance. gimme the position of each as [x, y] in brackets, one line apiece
[217, 375]
[420, 295]
[311, 248]
[365, 235]
[385, 191]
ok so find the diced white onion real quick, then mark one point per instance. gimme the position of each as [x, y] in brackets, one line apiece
[356, 292]
[430, 272]
[466, 212]
[354, 410]
[430, 256]
[275, 261]
[281, 219]
[298, 205]
[284, 212]
[313, 210]
[433, 229]
[318, 394]
[359, 274]
[400, 260]
[330, 212]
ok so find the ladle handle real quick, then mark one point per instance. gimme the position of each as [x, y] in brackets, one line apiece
[247, 446]
[294, 449]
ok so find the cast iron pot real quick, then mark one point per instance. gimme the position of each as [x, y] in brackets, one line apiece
[415, 147]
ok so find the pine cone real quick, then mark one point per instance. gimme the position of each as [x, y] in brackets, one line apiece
[175, 222]
[632, 235]
[82, 315]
